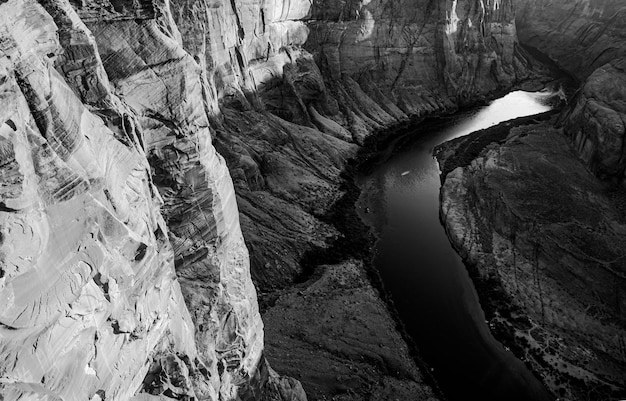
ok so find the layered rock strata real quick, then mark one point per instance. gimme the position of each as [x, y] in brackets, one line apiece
[546, 243]
[89, 293]
[103, 128]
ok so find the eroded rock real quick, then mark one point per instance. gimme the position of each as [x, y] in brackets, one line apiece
[546, 240]
[596, 122]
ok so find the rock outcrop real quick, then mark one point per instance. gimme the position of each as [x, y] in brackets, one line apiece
[105, 128]
[596, 121]
[335, 335]
[588, 40]
[546, 241]
[544, 236]
[580, 35]
[89, 294]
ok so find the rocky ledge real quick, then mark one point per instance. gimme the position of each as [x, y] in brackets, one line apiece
[335, 335]
[545, 241]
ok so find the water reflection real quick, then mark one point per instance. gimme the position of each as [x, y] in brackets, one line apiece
[426, 278]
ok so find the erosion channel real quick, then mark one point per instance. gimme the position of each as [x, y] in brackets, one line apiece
[425, 278]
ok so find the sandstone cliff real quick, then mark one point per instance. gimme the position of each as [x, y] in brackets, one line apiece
[104, 127]
[340, 71]
[90, 298]
[525, 208]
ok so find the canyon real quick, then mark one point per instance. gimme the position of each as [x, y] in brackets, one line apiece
[176, 175]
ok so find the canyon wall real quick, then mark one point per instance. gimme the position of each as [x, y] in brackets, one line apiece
[90, 299]
[543, 236]
[125, 271]
[545, 240]
[340, 71]
[580, 36]
[588, 40]
[109, 182]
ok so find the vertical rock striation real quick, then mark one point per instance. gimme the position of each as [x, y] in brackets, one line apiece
[103, 128]
[88, 291]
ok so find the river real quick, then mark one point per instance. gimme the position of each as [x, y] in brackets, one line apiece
[422, 273]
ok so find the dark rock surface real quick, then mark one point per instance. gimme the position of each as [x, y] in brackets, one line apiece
[546, 243]
[596, 121]
[580, 35]
[335, 335]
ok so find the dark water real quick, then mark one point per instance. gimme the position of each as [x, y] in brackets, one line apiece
[426, 278]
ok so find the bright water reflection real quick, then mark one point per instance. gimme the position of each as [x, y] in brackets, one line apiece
[513, 105]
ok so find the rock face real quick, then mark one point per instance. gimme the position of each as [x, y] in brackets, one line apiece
[596, 122]
[335, 335]
[90, 298]
[419, 52]
[94, 121]
[587, 39]
[547, 242]
[580, 35]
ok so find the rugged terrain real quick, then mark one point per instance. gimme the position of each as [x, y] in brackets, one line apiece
[546, 242]
[142, 141]
[537, 208]
[124, 268]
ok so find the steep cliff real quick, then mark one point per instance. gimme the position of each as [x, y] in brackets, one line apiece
[103, 128]
[543, 235]
[89, 294]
